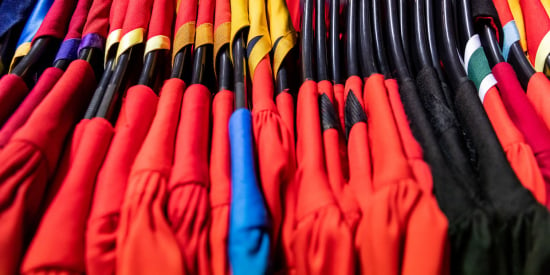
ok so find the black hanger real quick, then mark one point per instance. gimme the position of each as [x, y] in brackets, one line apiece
[239, 63]
[224, 69]
[394, 38]
[404, 27]
[40, 54]
[378, 35]
[203, 70]
[183, 64]
[464, 23]
[521, 64]
[334, 42]
[490, 45]
[123, 75]
[421, 53]
[368, 62]
[97, 97]
[320, 41]
[351, 39]
[155, 68]
[307, 41]
[452, 64]
[431, 28]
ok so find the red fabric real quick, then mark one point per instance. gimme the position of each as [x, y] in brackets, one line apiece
[19, 117]
[538, 92]
[294, 8]
[525, 118]
[188, 206]
[139, 110]
[519, 153]
[64, 222]
[205, 13]
[222, 13]
[161, 18]
[537, 24]
[98, 18]
[220, 181]
[275, 149]
[322, 241]
[504, 12]
[12, 91]
[139, 13]
[117, 14]
[412, 149]
[339, 103]
[57, 20]
[145, 242]
[187, 13]
[337, 166]
[31, 156]
[78, 19]
[285, 105]
[401, 224]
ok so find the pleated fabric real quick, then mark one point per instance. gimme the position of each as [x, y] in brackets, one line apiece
[322, 242]
[63, 225]
[275, 152]
[145, 241]
[188, 208]
[30, 160]
[136, 114]
[220, 181]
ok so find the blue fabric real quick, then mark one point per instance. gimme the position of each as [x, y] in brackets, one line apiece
[35, 20]
[511, 35]
[68, 50]
[13, 12]
[248, 240]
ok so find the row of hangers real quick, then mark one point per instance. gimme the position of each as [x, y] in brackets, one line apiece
[380, 29]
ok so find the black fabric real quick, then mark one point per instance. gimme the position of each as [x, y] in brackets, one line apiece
[484, 11]
[521, 230]
[446, 129]
[470, 223]
[329, 117]
[353, 112]
[13, 12]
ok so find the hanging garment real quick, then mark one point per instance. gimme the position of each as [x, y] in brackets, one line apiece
[524, 116]
[67, 51]
[13, 12]
[517, 13]
[220, 181]
[518, 152]
[13, 88]
[145, 241]
[220, 154]
[34, 152]
[116, 22]
[411, 147]
[537, 92]
[391, 195]
[319, 220]
[64, 223]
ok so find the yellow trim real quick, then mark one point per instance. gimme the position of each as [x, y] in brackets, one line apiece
[284, 46]
[130, 39]
[239, 19]
[178, 6]
[281, 30]
[515, 7]
[546, 5]
[20, 52]
[204, 35]
[184, 36]
[260, 50]
[258, 28]
[222, 36]
[112, 39]
[542, 52]
[159, 42]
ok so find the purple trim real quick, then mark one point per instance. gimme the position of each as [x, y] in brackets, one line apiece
[68, 50]
[92, 40]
